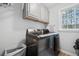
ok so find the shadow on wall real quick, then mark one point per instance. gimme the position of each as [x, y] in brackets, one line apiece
[20, 50]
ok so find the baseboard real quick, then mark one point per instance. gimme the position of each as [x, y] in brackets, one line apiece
[68, 53]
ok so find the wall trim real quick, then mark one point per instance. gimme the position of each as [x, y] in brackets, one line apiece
[68, 53]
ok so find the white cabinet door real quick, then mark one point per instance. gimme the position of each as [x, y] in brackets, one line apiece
[35, 10]
[44, 13]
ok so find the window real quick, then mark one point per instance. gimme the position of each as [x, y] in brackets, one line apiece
[70, 18]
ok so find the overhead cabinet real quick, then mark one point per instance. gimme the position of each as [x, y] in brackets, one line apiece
[35, 12]
[44, 14]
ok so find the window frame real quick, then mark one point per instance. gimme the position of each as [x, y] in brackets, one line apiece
[60, 19]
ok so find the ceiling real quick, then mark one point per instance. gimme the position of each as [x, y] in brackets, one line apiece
[50, 5]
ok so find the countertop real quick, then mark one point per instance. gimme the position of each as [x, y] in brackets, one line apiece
[42, 35]
[46, 35]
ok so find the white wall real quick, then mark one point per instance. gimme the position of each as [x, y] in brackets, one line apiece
[67, 38]
[13, 27]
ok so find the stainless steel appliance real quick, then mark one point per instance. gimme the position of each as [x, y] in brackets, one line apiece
[40, 43]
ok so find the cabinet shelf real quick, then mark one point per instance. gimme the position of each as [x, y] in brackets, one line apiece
[35, 19]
